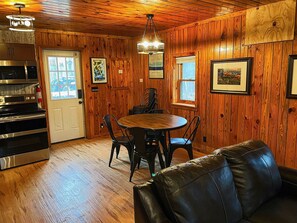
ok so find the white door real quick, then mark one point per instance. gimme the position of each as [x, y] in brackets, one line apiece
[64, 94]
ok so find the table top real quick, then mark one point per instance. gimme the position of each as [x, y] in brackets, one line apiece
[153, 121]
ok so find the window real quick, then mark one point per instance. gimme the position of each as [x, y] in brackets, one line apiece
[184, 82]
[62, 78]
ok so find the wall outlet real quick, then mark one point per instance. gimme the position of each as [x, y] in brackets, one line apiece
[101, 126]
[204, 138]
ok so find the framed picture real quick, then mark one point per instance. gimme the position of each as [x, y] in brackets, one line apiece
[292, 77]
[156, 66]
[98, 70]
[231, 76]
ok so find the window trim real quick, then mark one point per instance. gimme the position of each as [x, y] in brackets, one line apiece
[175, 83]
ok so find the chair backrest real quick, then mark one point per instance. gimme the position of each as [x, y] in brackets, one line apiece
[194, 126]
[139, 137]
[107, 120]
[150, 98]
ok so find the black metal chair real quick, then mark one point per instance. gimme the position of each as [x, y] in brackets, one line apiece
[117, 141]
[144, 149]
[185, 143]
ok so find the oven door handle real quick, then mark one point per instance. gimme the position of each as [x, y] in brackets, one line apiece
[21, 118]
[23, 133]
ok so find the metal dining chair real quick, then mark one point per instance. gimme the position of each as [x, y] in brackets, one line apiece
[150, 102]
[117, 141]
[144, 149]
[185, 143]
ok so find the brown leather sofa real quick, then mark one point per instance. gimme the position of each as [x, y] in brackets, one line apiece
[239, 183]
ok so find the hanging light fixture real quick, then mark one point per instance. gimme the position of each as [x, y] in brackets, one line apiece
[21, 23]
[150, 44]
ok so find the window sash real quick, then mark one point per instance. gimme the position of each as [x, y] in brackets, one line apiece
[185, 91]
[179, 86]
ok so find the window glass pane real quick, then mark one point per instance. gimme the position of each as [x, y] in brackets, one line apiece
[63, 86]
[52, 63]
[72, 85]
[188, 71]
[187, 90]
[70, 63]
[54, 84]
[53, 77]
[61, 63]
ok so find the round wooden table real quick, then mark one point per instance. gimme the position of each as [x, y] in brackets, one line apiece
[153, 121]
[157, 122]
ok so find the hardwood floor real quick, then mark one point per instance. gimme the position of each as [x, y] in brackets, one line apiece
[75, 185]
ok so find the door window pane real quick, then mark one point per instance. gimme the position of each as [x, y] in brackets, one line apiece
[52, 63]
[62, 78]
[70, 64]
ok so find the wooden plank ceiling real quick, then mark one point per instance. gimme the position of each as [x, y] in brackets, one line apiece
[121, 17]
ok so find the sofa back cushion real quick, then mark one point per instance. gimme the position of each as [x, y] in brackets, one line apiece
[255, 173]
[201, 190]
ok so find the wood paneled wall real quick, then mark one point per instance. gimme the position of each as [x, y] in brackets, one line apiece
[226, 119]
[112, 97]
[266, 114]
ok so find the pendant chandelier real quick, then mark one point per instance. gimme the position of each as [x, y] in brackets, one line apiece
[150, 44]
[21, 23]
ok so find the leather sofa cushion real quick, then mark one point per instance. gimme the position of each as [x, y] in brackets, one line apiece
[201, 190]
[280, 209]
[255, 173]
[147, 205]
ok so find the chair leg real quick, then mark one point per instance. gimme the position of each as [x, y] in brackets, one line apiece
[133, 165]
[111, 153]
[161, 159]
[190, 152]
[169, 157]
[151, 163]
[130, 151]
[139, 162]
[118, 151]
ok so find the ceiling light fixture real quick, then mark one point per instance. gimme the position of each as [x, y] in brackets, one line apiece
[21, 23]
[150, 44]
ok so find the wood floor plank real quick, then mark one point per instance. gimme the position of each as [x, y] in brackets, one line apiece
[75, 185]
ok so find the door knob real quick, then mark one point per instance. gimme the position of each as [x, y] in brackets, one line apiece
[80, 102]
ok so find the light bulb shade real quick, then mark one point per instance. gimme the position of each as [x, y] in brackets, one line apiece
[152, 47]
[21, 23]
[150, 43]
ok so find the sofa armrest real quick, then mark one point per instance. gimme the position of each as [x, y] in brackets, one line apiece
[289, 180]
[147, 207]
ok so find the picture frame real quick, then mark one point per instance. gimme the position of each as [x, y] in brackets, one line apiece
[156, 66]
[292, 77]
[98, 70]
[231, 76]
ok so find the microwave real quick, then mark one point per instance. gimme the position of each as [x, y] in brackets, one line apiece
[18, 72]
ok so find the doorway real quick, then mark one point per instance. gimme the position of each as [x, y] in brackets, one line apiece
[63, 84]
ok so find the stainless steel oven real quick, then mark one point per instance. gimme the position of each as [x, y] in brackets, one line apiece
[23, 131]
[23, 139]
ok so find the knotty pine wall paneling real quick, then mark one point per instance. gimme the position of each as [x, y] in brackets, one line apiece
[227, 119]
[108, 99]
